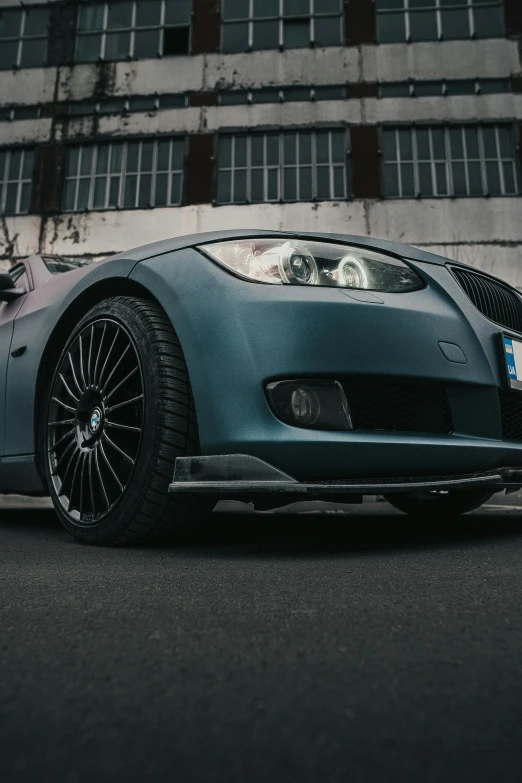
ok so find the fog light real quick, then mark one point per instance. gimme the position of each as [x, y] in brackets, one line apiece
[313, 404]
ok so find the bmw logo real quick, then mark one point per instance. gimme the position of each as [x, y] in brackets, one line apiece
[95, 421]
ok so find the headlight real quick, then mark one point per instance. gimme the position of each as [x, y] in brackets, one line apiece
[300, 262]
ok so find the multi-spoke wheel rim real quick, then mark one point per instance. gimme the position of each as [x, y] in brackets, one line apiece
[95, 421]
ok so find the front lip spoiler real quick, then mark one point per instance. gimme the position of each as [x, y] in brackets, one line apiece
[242, 474]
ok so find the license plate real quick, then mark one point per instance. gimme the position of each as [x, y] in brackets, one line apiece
[513, 354]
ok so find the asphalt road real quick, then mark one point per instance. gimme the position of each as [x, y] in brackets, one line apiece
[310, 648]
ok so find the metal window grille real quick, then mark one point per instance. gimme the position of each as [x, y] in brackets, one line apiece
[16, 177]
[125, 175]
[273, 24]
[282, 166]
[452, 161]
[138, 29]
[433, 20]
[23, 37]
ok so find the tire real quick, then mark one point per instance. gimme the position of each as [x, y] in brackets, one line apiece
[119, 411]
[453, 502]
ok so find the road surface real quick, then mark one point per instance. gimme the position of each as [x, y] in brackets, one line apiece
[348, 646]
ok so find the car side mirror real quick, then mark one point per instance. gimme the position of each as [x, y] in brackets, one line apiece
[8, 290]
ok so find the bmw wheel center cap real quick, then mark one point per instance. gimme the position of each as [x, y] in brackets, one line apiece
[95, 420]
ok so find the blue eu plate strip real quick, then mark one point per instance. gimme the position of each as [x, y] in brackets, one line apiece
[510, 358]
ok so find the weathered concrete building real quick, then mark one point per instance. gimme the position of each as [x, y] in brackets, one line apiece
[130, 121]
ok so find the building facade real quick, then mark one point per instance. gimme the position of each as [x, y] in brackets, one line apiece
[126, 122]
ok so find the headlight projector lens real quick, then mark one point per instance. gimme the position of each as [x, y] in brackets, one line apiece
[297, 265]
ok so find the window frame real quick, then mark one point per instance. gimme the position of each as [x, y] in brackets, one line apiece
[281, 17]
[450, 160]
[104, 31]
[21, 181]
[281, 165]
[437, 8]
[122, 173]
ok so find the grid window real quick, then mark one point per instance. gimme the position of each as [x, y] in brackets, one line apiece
[271, 24]
[288, 166]
[452, 161]
[433, 20]
[422, 89]
[16, 178]
[23, 37]
[125, 175]
[139, 29]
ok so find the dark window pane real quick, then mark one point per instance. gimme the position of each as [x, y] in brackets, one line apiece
[455, 23]
[162, 185]
[475, 179]
[394, 90]
[130, 191]
[91, 16]
[84, 190]
[10, 23]
[148, 13]
[338, 147]
[472, 148]
[266, 35]
[86, 161]
[490, 142]
[175, 192]
[26, 113]
[423, 26]
[305, 183]
[235, 98]
[440, 174]
[423, 145]
[28, 163]
[439, 144]
[297, 94]
[257, 148]
[323, 182]
[36, 21]
[296, 7]
[81, 109]
[240, 186]
[72, 162]
[177, 12]
[147, 150]
[339, 182]
[25, 197]
[264, 8]
[98, 201]
[117, 46]
[225, 151]
[459, 179]
[15, 165]
[489, 22]
[460, 87]
[114, 192]
[176, 40]
[144, 197]
[322, 148]
[172, 101]
[112, 107]
[384, 5]
[8, 54]
[405, 145]
[272, 149]
[146, 43]
[328, 6]
[422, 3]
[423, 89]
[142, 104]
[88, 48]
[256, 188]
[425, 180]
[273, 185]
[163, 156]
[456, 144]
[3, 157]
[289, 149]
[408, 188]
[391, 28]
[493, 179]
[11, 198]
[132, 156]
[265, 96]
[178, 153]
[305, 148]
[240, 151]
[235, 9]
[491, 86]
[505, 138]
[389, 145]
[329, 93]
[120, 15]
[116, 155]
[290, 185]
[224, 179]
[234, 37]
[296, 33]
[509, 178]
[328, 31]
[102, 159]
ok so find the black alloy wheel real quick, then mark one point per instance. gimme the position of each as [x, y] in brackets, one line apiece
[434, 502]
[119, 410]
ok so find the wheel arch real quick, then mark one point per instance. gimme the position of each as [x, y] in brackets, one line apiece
[85, 301]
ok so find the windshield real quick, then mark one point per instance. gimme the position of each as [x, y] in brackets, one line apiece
[57, 264]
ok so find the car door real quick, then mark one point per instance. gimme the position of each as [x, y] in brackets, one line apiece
[8, 310]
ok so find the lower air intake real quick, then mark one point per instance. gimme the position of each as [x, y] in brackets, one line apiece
[511, 415]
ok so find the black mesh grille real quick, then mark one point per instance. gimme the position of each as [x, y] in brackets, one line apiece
[398, 406]
[496, 301]
[511, 415]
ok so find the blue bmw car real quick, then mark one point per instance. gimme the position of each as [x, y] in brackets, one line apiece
[259, 366]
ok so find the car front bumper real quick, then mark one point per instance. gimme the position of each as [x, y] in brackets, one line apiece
[238, 336]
